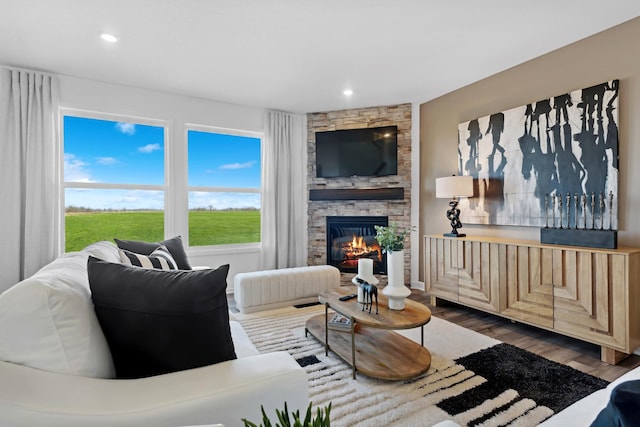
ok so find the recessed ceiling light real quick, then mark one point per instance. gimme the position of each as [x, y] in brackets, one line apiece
[108, 37]
[348, 92]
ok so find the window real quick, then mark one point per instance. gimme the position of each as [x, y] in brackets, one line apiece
[224, 186]
[114, 179]
[116, 182]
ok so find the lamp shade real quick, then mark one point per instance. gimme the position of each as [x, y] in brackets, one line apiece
[454, 186]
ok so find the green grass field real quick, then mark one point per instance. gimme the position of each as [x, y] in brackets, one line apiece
[205, 227]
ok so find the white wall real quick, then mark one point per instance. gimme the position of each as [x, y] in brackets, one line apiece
[415, 197]
[177, 111]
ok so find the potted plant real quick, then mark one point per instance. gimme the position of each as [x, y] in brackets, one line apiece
[320, 419]
[391, 239]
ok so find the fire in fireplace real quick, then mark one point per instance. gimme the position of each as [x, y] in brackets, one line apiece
[350, 238]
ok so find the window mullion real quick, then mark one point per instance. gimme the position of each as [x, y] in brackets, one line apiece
[224, 190]
[105, 186]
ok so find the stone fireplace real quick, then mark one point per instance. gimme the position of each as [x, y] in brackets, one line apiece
[385, 196]
[350, 238]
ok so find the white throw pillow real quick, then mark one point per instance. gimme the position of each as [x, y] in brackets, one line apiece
[159, 259]
[48, 322]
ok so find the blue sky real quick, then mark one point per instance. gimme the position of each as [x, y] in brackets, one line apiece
[101, 151]
[110, 152]
[223, 160]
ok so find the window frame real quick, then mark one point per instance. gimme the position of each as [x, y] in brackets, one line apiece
[226, 248]
[167, 161]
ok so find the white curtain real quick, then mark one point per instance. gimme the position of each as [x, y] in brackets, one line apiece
[284, 201]
[29, 172]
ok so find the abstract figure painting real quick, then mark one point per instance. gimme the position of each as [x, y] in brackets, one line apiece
[537, 163]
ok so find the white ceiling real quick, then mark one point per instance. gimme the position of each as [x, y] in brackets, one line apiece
[296, 55]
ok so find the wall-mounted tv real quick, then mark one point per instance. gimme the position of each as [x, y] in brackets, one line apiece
[357, 152]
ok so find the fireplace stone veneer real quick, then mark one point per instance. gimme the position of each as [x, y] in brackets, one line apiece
[398, 210]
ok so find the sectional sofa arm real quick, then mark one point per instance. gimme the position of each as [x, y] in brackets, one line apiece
[222, 393]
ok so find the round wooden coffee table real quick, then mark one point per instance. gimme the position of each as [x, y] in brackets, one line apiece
[371, 346]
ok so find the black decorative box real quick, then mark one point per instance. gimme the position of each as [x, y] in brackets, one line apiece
[606, 239]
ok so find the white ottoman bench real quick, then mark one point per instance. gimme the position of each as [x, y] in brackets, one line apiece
[267, 289]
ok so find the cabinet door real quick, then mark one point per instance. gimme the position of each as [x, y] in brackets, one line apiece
[528, 294]
[589, 296]
[441, 272]
[480, 273]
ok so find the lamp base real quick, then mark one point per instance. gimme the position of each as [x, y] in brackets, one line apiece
[453, 215]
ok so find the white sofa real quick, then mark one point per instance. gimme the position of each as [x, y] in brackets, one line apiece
[56, 369]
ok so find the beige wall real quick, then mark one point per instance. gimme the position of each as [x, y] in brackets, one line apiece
[612, 54]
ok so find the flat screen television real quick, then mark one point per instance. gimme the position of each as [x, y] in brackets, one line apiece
[357, 152]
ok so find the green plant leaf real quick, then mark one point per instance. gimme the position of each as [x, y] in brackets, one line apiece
[326, 421]
[283, 416]
[307, 418]
[248, 423]
[391, 238]
[265, 418]
[321, 418]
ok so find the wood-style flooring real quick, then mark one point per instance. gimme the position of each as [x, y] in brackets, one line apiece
[580, 355]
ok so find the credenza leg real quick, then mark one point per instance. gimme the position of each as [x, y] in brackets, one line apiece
[612, 356]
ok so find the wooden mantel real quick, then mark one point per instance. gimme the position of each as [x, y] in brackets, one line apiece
[391, 193]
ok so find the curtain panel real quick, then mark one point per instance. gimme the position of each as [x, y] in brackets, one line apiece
[284, 209]
[30, 173]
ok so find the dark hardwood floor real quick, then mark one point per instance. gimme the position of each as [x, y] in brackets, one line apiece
[580, 355]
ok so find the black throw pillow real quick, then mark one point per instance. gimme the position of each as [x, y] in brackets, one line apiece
[159, 321]
[174, 245]
[622, 409]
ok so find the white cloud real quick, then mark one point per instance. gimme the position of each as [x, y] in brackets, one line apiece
[126, 128]
[114, 199]
[245, 165]
[200, 199]
[75, 170]
[107, 161]
[154, 200]
[149, 148]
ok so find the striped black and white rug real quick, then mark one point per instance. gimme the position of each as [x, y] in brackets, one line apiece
[473, 380]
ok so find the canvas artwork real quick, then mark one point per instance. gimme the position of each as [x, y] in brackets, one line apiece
[552, 163]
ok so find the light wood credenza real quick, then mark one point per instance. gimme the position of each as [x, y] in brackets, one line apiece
[586, 293]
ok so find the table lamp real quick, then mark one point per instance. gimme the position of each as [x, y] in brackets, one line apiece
[452, 187]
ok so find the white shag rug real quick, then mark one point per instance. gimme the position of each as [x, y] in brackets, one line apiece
[368, 402]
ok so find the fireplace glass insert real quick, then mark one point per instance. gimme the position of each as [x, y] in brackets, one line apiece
[350, 238]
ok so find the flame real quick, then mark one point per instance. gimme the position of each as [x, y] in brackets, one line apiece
[358, 248]
[358, 243]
